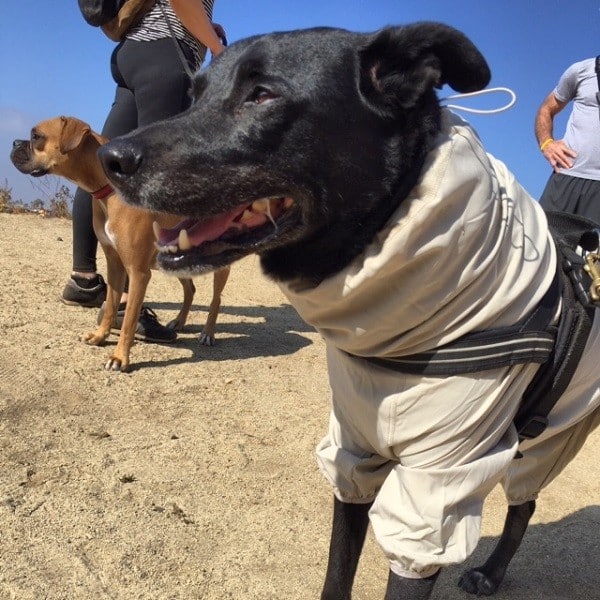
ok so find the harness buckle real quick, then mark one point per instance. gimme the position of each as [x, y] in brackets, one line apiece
[534, 427]
[593, 269]
[590, 245]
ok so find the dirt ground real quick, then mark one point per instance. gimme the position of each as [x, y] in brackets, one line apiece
[193, 476]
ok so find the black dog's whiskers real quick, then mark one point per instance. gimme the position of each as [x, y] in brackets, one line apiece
[268, 213]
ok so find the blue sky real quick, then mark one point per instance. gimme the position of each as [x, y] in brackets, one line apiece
[53, 63]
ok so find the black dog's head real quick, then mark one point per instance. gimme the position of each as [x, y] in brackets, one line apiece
[298, 146]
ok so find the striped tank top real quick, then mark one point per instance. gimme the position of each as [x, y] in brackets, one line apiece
[154, 27]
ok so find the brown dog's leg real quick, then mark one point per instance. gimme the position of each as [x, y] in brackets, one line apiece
[189, 289]
[485, 580]
[138, 282]
[207, 338]
[349, 528]
[115, 282]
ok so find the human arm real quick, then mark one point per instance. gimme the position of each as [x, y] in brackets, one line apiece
[556, 152]
[220, 33]
[194, 18]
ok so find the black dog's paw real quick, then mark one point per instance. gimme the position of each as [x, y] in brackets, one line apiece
[477, 582]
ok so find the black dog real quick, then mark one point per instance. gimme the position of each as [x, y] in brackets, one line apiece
[303, 147]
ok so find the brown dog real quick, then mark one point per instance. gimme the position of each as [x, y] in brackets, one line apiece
[67, 147]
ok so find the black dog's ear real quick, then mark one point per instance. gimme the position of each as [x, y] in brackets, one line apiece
[400, 64]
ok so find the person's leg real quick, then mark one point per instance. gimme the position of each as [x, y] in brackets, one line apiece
[155, 74]
[561, 193]
[85, 287]
[145, 92]
[132, 63]
[122, 118]
[587, 193]
[84, 238]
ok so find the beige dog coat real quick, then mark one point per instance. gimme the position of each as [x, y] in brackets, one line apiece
[467, 250]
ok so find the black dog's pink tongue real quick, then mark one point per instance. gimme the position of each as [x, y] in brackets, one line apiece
[194, 232]
[191, 232]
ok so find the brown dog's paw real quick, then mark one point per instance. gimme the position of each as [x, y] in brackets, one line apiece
[206, 339]
[116, 364]
[96, 338]
[175, 325]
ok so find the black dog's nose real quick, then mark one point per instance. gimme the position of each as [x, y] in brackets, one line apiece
[120, 159]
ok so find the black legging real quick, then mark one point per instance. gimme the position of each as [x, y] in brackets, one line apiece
[151, 85]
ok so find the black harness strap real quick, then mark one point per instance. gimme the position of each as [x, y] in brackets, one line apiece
[577, 314]
[530, 340]
[534, 339]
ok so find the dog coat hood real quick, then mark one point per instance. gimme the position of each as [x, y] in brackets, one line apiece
[467, 250]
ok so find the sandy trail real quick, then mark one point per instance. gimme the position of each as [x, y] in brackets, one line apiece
[193, 476]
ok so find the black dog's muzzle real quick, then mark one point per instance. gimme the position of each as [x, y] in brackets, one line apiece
[120, 160]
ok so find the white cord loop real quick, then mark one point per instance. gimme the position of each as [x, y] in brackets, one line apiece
[491, 111]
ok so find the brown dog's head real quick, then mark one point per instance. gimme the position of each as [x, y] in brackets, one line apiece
[48, 149]
[298, 147]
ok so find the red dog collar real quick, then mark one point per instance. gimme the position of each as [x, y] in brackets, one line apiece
[103, 192]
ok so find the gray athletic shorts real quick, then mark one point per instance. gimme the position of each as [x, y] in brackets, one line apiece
[574, 195]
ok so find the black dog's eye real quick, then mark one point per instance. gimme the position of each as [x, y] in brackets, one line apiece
[260, 95]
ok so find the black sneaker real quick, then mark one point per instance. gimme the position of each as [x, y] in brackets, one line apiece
[79, 291]
[148, 328]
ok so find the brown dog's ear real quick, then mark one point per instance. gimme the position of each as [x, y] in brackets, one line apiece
[400, 64]
[72, 133]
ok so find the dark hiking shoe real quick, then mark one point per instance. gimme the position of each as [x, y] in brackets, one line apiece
[148, 328]
[89, 293]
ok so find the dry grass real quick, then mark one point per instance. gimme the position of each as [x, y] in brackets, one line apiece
[57, 203]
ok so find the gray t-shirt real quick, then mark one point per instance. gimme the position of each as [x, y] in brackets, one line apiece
[580, 85]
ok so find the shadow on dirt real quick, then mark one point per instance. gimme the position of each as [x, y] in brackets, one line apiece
[543, 567]
[261, 331]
